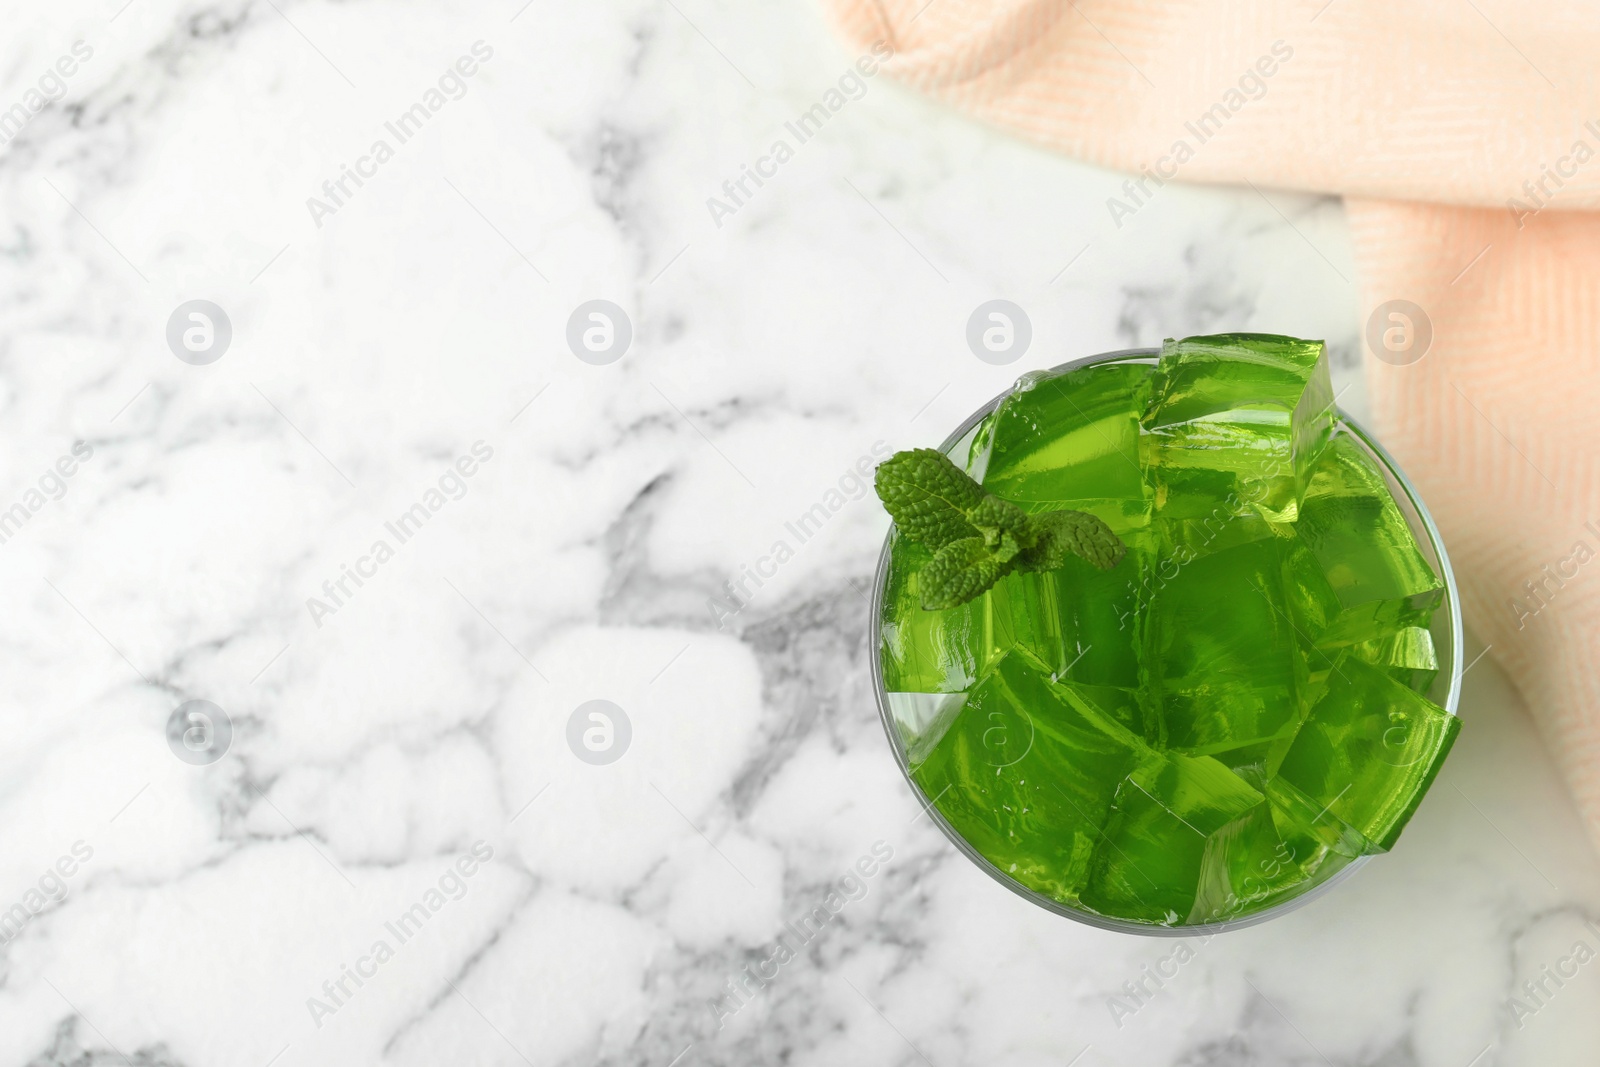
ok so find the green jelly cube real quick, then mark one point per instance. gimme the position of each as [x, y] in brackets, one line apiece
[1148, 865]
[1313, 604]
[1258, 761]
[1123, 709]
[1079, 620]
[1210, 719]
[1236, 420]
[1368, 750]
[1351, 523]
[1197, 512]
[1223, 654]
[1027, 614]
[922, 719]
[1314, 607]
[1214, 529]
[1026, 772]
[1246, 865]
[1083, 624]
[1284, 848]
[1071, 440]
[1407, 655]
[932, 651]
[1310, 829]
[946, 651]
[1099, 613]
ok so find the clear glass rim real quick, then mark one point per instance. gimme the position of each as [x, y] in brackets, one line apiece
[1441, 559]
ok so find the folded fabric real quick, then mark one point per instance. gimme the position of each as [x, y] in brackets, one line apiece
[1465, 136]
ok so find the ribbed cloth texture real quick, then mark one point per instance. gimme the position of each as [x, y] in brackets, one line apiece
[1430, 118]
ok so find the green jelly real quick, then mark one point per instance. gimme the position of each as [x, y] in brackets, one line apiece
[1149, 864]
[1235, 421]
[1026, 772]
[1351, 523]
[1309, 829]
[1248, 864]
[933, 651]
[1072, 441]
[1407, 655]
[1186, 537]
[1065, 623]
[1274, 854]
[1223, 656]
[1369, 750]
[1233, 713]
[1099, 614]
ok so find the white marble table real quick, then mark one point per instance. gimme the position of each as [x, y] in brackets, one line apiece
[556, 531]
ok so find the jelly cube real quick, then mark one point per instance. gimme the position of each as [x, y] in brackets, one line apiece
[1025, 772]
[932, 651]
[1407, 655]
[1245, 865]
[1309, 828]
[945, 651]
[1223, 655]
[922, 719]
[1350, 522]
[1368, 750]
[1148, 866]
[1099, 614]
[1236, 420]
[1072, 441]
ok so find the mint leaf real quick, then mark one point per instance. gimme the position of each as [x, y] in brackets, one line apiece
[959, 572]
[1002, 523]
[978, 538]
[928, 496]
[1075, 533]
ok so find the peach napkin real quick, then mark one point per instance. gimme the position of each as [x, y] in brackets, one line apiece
[1465, 136]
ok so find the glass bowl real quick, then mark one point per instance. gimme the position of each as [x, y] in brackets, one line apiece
[1445, 691]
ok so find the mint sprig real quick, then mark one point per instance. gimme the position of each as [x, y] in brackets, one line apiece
[928, 496]
[976, 537]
